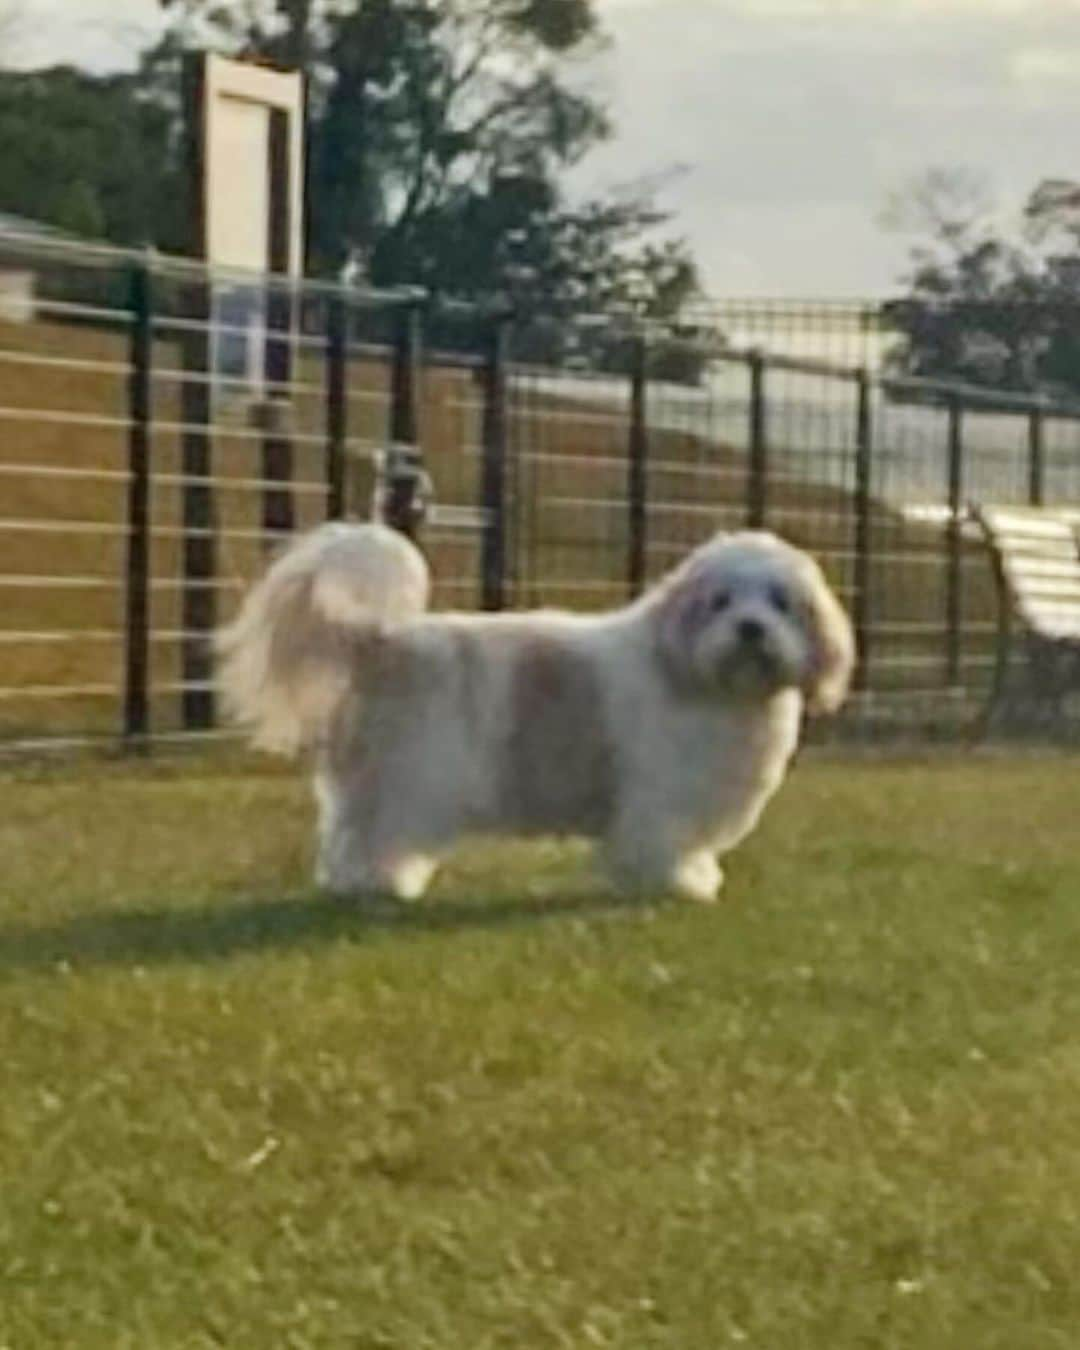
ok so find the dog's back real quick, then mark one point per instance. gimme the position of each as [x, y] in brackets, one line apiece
[514, 708]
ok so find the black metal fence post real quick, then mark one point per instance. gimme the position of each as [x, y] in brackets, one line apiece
[954, 541]
[1036, 457]
[758, 461]
[405, 388]
[199, 542]
[137, 592]
[337, 406]
[402, 488]
[638, 466]
[864, 451]
[277, 412]
[493, 470]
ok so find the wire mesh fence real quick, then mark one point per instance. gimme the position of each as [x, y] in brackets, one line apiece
[165, 428]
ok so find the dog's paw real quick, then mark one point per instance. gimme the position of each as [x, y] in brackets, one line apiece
[696, 876]
[392, 884]
[409, 879]
[699, 878]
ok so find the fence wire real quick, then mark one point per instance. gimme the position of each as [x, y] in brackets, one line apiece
[166, 428]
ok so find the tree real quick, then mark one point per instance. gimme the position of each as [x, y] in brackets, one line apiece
[439, 131]
[84, 154]
[416, 106]
[991, 305]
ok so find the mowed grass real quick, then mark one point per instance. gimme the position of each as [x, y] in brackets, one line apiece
[841, 1109]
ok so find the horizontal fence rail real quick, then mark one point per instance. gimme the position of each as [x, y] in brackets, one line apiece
[167, 427]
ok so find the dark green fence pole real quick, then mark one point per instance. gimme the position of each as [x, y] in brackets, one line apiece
[954, 541]
[283, 321]
[140, 411]
[493, 471]
[864, 451]
[1036, 458]
[199, 560]
[638, 468]
[279, 515]
[758, 462]
[405, 390]
[337, 405]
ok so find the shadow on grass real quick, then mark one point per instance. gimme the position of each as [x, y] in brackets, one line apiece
[222, 931]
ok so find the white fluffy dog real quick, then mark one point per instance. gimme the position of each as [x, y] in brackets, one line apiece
[660, 729]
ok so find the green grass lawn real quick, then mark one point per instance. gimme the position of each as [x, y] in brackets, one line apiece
[841, 1109]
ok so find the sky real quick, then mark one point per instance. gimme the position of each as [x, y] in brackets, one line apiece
[786, 125]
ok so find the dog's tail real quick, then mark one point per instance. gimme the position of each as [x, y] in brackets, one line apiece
[287, 659]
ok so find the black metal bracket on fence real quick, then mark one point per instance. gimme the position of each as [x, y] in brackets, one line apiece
[137, 583]
[493, 469]
[404, 491]
[758, 457]
[864, 451]
[637, 466]
[954, 541]
[337, 405]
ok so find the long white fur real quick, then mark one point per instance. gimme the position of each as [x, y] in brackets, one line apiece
[285, 662]
[661, 729]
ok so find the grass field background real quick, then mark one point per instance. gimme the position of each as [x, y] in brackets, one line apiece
[841, 1109]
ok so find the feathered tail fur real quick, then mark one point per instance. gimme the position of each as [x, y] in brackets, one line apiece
[285, 662]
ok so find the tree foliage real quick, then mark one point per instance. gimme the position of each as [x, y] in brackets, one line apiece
[439, 135]
[84, 154]
[990, 304]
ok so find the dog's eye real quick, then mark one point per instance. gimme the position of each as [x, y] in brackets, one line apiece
[779, 599]
[719, 602]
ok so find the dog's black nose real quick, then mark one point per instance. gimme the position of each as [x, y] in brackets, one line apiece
[751, 630]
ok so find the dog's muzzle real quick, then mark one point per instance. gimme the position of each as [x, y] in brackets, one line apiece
[752, 651]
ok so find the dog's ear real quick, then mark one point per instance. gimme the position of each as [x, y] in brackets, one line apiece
[832, 647]
[682, 606]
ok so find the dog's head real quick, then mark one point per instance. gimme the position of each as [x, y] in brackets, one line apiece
[748, 615]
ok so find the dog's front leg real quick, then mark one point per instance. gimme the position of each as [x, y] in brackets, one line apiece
[698, 877]
[647, 862]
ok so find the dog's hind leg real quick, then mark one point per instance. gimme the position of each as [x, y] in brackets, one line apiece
[406, 878]
[346, 868]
